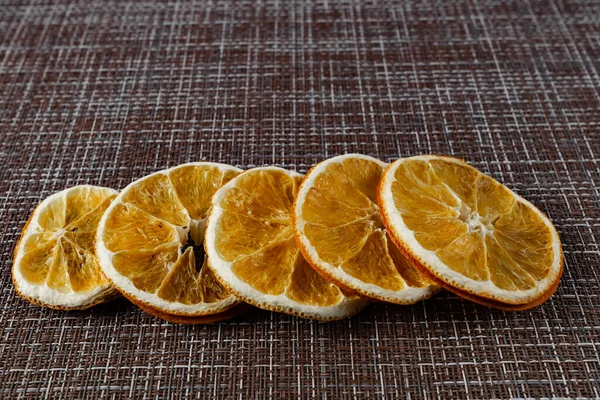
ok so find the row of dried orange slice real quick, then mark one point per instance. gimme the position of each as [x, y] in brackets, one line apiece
[199, 242]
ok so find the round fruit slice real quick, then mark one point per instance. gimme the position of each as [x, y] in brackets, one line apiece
[470, 233]
[339, 230]
[251, 248]
[149, 241]
[55, 263]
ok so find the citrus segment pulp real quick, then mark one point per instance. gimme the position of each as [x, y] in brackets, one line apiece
[469, 231]
[55, 263]
[150, 242]
[339, 230]
[251, 248]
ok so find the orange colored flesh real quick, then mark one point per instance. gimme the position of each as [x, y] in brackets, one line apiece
[62, 256]
[492, 303]
[469, 296]
[255, 234]
[142, 232]
[462, 292]
[80, 222]
[357, 179]
[474, 225]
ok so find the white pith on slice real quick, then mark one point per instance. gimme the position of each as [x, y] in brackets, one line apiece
[149, 241]
[469, 231]
[55, 263]
[251, 246]
[339, 230]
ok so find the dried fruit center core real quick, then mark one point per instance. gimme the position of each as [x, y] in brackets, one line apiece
[198, 249]
[475, 222]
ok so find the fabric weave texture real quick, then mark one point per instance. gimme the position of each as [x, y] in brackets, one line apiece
[105, 92]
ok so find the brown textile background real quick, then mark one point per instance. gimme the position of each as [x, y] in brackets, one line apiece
[106, 92]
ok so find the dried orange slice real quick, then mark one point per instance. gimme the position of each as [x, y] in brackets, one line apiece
[55, 263]
[149, 242]
[339, 230]
[251, 248]
[470, 233]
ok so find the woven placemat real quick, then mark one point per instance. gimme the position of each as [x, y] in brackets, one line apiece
[107, 92]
